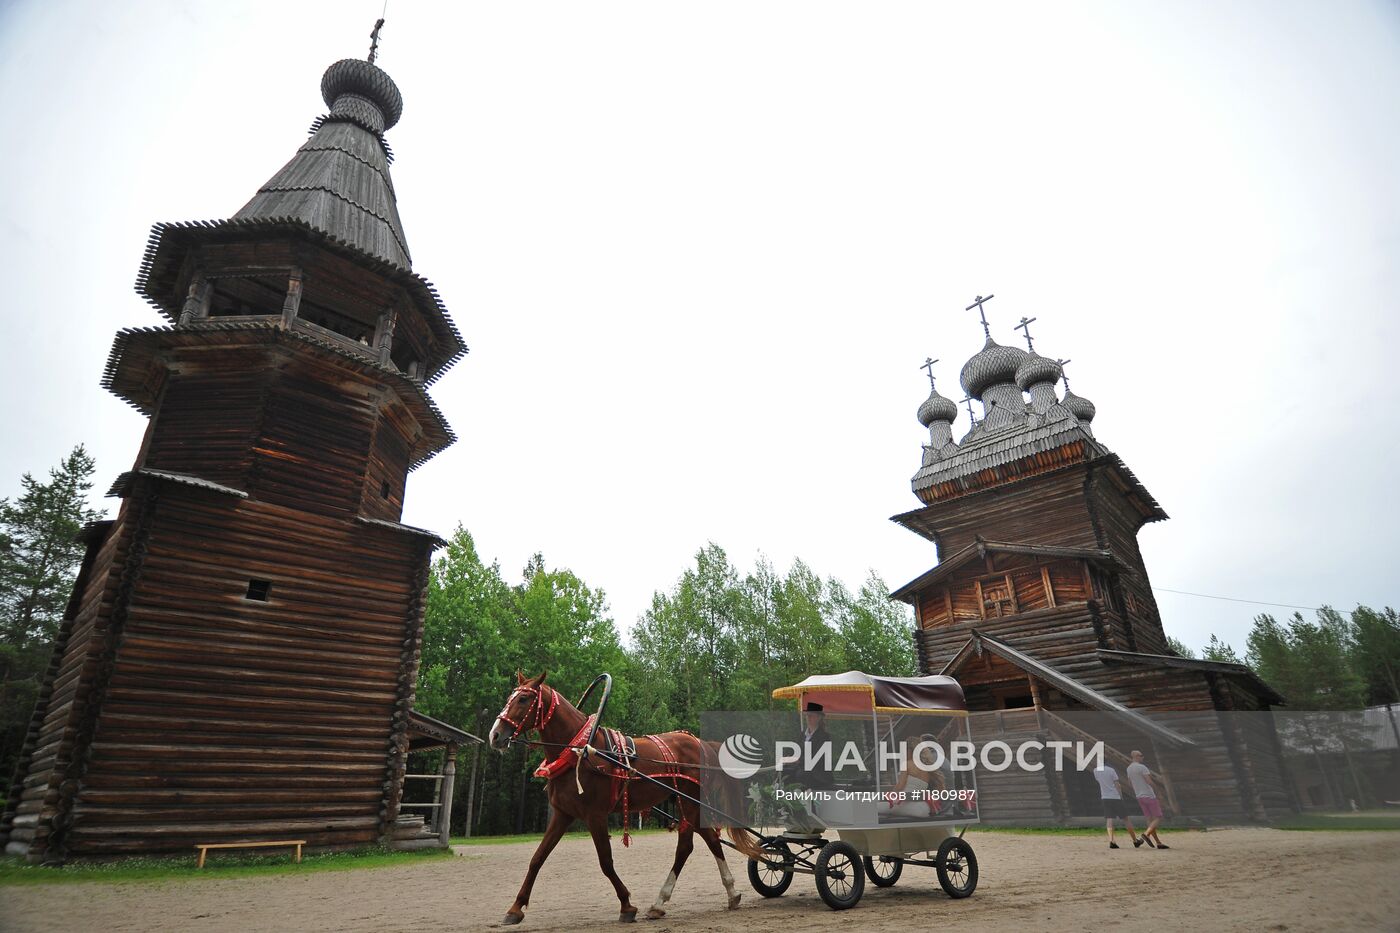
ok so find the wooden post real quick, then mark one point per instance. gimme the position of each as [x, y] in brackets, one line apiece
[1036, 702]
[292, 303]
[1049, 588]
[196, 306]
[384, 335]
[445, 790]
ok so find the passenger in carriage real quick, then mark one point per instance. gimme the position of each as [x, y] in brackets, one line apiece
[915, 793]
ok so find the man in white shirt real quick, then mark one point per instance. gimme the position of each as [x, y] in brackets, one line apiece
[1111, 793]
[1145, 787]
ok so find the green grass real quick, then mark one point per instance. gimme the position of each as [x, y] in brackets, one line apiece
[174, 868]
[536, 837]
[1040, 830]
[1366, 820]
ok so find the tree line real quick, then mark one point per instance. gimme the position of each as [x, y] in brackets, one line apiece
[1341, 661]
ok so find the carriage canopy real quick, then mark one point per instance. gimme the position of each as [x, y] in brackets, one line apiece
[855, 692]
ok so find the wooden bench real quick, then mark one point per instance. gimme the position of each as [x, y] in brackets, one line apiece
[204, 849]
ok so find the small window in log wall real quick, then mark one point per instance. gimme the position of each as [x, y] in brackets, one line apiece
[384, 489]
[259, 590]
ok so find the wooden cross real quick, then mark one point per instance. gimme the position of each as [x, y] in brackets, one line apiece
[928, 368]
[968, 402]
[1025, 325]
[978, 305]
[374, 39]
[1062, 372]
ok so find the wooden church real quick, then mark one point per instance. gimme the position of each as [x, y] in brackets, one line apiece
[1042, 607]
[238, 658]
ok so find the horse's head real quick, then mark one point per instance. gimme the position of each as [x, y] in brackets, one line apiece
[524, 711]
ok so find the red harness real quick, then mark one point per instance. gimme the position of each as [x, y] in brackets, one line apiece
[536, 706]
[570, 754]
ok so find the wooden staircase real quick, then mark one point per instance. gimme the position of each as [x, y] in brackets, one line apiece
[410, 833]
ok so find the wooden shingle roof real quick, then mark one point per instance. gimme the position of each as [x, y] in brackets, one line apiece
[1062, 682]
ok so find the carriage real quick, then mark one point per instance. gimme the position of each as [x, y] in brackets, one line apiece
[868, 806]
[873, 825]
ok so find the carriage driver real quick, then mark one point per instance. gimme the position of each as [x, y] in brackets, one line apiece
[814, 737]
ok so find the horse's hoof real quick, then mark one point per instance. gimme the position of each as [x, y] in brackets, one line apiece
[734, 901]
[655, 913]
[512, 919]
[627, 917]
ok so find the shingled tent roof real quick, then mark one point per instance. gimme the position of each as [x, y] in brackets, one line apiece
[338, 182]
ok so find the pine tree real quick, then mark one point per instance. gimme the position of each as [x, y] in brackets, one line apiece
[39, 558]
[1219, 650]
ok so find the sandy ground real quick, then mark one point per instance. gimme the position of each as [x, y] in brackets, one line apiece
[1238, 879]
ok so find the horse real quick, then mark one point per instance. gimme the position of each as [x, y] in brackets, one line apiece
[583, 787]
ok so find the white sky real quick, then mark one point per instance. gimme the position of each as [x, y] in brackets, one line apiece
[700, 250]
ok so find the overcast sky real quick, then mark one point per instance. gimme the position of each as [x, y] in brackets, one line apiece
[700, 250]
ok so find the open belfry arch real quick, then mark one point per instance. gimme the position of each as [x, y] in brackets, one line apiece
[1041, 604]
[238, 658]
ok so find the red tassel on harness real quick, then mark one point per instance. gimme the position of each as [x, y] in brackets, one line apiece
[626, 817]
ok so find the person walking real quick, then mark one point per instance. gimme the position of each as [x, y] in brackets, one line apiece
[1145, 788]
[1111, 794]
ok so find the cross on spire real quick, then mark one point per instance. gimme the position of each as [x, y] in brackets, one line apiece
[1025, 325]
[968, 402]
[374, 37]
[1063, 375]
[928, 368]
[978, 305]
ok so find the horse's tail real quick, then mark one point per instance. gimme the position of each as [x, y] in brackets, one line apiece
[732, 805]
[746, 842]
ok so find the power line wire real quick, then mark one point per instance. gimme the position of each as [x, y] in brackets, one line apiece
[1233, 599]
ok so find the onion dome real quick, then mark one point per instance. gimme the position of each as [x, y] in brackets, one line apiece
[1036, 370]
[994, 365]
[359, 92]
[937, 408]
[1081, 408]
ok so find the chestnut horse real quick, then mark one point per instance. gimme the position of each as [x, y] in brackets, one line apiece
[588, 788]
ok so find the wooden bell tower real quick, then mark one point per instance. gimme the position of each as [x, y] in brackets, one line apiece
[239, 656]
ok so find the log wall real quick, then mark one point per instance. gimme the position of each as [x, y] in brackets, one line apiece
[1085, 505]
[301, 434]
[65, 715]
[224, 717]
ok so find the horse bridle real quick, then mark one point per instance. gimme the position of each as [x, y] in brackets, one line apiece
[536, 706]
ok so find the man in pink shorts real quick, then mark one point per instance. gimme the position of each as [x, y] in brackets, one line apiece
[1146, 790]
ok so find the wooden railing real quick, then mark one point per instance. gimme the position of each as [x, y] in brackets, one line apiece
[433, 819]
